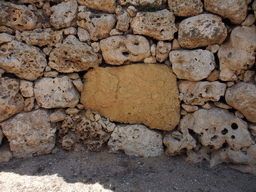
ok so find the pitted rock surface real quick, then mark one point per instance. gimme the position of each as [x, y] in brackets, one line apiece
[144, 3]
[5, 38]
[134, 94]
[186, 8]
[101, 5]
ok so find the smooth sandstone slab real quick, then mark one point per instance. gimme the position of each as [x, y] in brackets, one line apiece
[135, 94]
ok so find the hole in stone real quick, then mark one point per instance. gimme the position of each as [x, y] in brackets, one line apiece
[233, 137]
[224, 131]
[214, 138]
[136, 44]
[126, 54]
[234, 126]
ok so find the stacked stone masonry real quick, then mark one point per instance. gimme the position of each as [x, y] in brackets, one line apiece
[136, 75]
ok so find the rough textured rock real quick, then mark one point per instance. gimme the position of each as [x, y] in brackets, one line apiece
[234, 10]
[26, 88]
[197, 93]
[56, 92]
[30, 133]
[119, 50]
[186, 8]
[234, 60]
[83, 34]
[136, 140]
[162, 50]
[1, 136]
[5, 38]
[4, 29]
[159, 25]
[42, 37]
[29, 104]
[26, 62]
[73, 56]
[250, 19]
[242, 97]
[11, 101]
[58, 115]
[150, 3]
[201, 30]
[5, 154]
[135, 94]
[17, 16]
[102, 5]
[189, 108]
[192, 65]
[98, 25]
[123, 21]
[63, 14]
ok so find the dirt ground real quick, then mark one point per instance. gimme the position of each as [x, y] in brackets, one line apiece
[80, 170]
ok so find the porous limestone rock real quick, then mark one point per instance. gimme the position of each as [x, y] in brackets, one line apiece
[222, 105]
[201, 30]
[5, 38]
[136, 140]
[26, 62]
[162, 51]
[132, 11]
[5, 154]
[73, 56]
[144, 3]
[4, 29]
[119, 50]
[189, 108]
[159, 25]
[197, 93]
[134, 94]
[193, 65]
[17, 17]
[56, 92]
[249, 76]
[58, 115]
[123, 21]
[101, 5]
[42, 37]
[30, 133]
[11, 101]
[29, 104]
[70, 31]
[234, 10]
[78, 84]
[234, 59]
[242, 97]
[83, 34]
[214, 76]
[250, 19]
[26, 88]
[98, 25]
[63, 14]
[186, 8]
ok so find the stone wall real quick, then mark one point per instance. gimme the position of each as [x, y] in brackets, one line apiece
[136, 75]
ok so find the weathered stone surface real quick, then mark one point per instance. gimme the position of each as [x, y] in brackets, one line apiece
[11, 101]
[56, 92]
[123, 21]
[242, 97]
[5, 154]
[249, 75]
[26, 62]
[1, 136]
[162, 50]
[29, 104]
[222, 105]
[193, 65]
[73, 56]
[5, 38]
[102, 5]
[4, 29]
[17, 16]
[83, 34]
[58, 115]
[159, 25]
[135, 94]
[136, 140]
[186, 8]
[214, 76]
[98, 25]
[250, 19]
[72, 111]
[63, 14]
[30, 133]
[70, 31]
[42, 37]
[119, 50]
[235, 59]
[197, 93]
[189, 108]
[201, 30]
[234, 10]
[78, 84]
[26, 88]
[145, 3]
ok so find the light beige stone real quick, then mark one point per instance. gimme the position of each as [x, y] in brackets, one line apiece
[230, 84]
[73, 56]
[213, 48]
[4, 29]
[150, 60]
[5, 155]
[83, 34]
[70, 31]
[175, 44]
[73, 76]
[248, 76]
[29, 104]
[197, 93]
[153, 50]
[222, 105]
[136, 140]
[134, 94]
[47, 51]
[158, 25]
[201, 30]
[214, 76]
[162, 51]
[58, 115]
[115, 32]
[56, 92]
[239, 114]
[132, 11]
[5, 38]
[119, 50]
[95, 46]
[123, 21]
[207, 106]
[102, 5]
[189, 108]
[198, 156]
[144, 3]
[72, 111]
[26, 88]
[51, 74]
[193, 65]
[250, 19]
[80, 106]
[30, 133]
[186, 8]
[234, 10]
[26, 62]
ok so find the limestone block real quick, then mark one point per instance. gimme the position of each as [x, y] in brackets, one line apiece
[101, 5]
[63, 14]
[17, 17]
[70, 31]
[58, 115]
[73, 56]
[193, 65]
[30, 133]
[158, 25]
[250, 19]
[5, 38]
[11, 101]
[4, 29]
[248, 76]
[214, 76]
[56, 92]
[234, 10]
[42, 37]
[26, 88]
[134, 94]
[201, 30]
[78, 84]
[119, 50]
[242, 97]
[83, 34]
[222, 105]
[5, 154]
[198, 93]
[189, 108]
[144, 3]
[162, 51]
[186, 8]
[26, 62]
[29, 104]
[136, 140]
[132, 11]
[123, 21]
[51, 74]
[98, 25]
